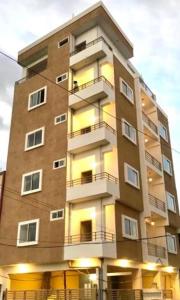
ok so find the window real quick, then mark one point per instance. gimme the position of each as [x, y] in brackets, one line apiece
[31, 182]
[34, 139]
[60, 119]
[63, 42]
[163, 132]
[37, 98]
[167, 165]
[171, 243]
[61, 77]
[129, 227]
[60, 163]
[57, 214]
[131, 175]
[129, 131]
[28, 233]
[126, 90]
[171, 204]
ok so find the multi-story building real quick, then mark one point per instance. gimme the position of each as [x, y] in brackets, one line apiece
[90, 205]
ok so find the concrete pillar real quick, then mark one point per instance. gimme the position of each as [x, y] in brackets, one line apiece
[176, 291]
[102, 280]
[137, 279]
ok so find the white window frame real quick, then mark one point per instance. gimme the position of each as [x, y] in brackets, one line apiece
[26, 148]
[167, 159]
[58, 82]
[174, 201]
[58, 160]
[175, 243]
[123, 227]
[166, 132]
[56, 219]
[56, 123]
[134, 141]
[37, 233]
[31, 191]
[59, 46]
[34, 92]
[126, 166]
[121, 90]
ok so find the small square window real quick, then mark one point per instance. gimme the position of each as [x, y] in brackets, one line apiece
[57, 214]
[31, 182]
[171, 203]
[171, 243]
[60, 119]
[63, 42]
[28, 232]
[126, 90]
[130, 227]
[129, 131]
[62, 77]
[37, 98]
[131, 176]
[163, 132]
[60, 163]
[167, 165]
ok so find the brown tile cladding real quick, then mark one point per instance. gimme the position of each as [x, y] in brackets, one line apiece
[53, 192]
[170, 185]
[127, 151]
[127, 248]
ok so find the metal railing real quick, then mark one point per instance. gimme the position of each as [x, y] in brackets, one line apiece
[147, 89]
[158, 294]
[150, 123]
[120, 294]
[54, 294]
[85, 46]
[92, 178]
[89, 83]
[90, 129]
[153, 161]
[159, 204]
[89, 237]
[155, 250]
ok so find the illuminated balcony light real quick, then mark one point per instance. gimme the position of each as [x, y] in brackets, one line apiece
[124, 263]
[150, 266]
[22, 268]
[146, 140]
[93, 277]
[150, 179]
[169, 269]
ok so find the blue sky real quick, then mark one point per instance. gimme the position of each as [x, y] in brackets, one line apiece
[151, 25]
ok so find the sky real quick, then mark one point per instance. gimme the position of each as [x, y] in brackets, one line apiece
[151, 25]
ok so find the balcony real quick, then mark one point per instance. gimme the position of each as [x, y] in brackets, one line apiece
[153, 163]
[147, 89]
[90, 92]
[157, 294]
[85, 54]
[156, 251]
[91, 137]
[93, 244]
[92, 187]
[158, 206]
[151, 127]
[124, 294]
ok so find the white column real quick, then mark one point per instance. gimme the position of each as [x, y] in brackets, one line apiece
[176, 291]
[137, 280]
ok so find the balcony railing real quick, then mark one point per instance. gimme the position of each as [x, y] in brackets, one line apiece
[148, 90]
[155, 250]
[60, 294]
[90, 129]
[153, 161]
[92, 178]
[158, 294]
[118, 294]
[89, 83]
[150, 123]
[85, 46]
[89, 237]
[159, 204]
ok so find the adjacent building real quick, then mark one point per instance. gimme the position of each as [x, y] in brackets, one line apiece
[90, 206]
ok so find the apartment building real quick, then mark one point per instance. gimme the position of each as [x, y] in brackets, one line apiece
[90, 207]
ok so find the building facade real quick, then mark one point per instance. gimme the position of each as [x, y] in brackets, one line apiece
[90, 206]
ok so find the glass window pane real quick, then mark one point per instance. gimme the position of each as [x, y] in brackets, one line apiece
[132, 176]
[32, 232]
[124, 88]
[23, 233]
[30, 142]
[35, 181]
[27, 183]
[38, 137]
[127, 227]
